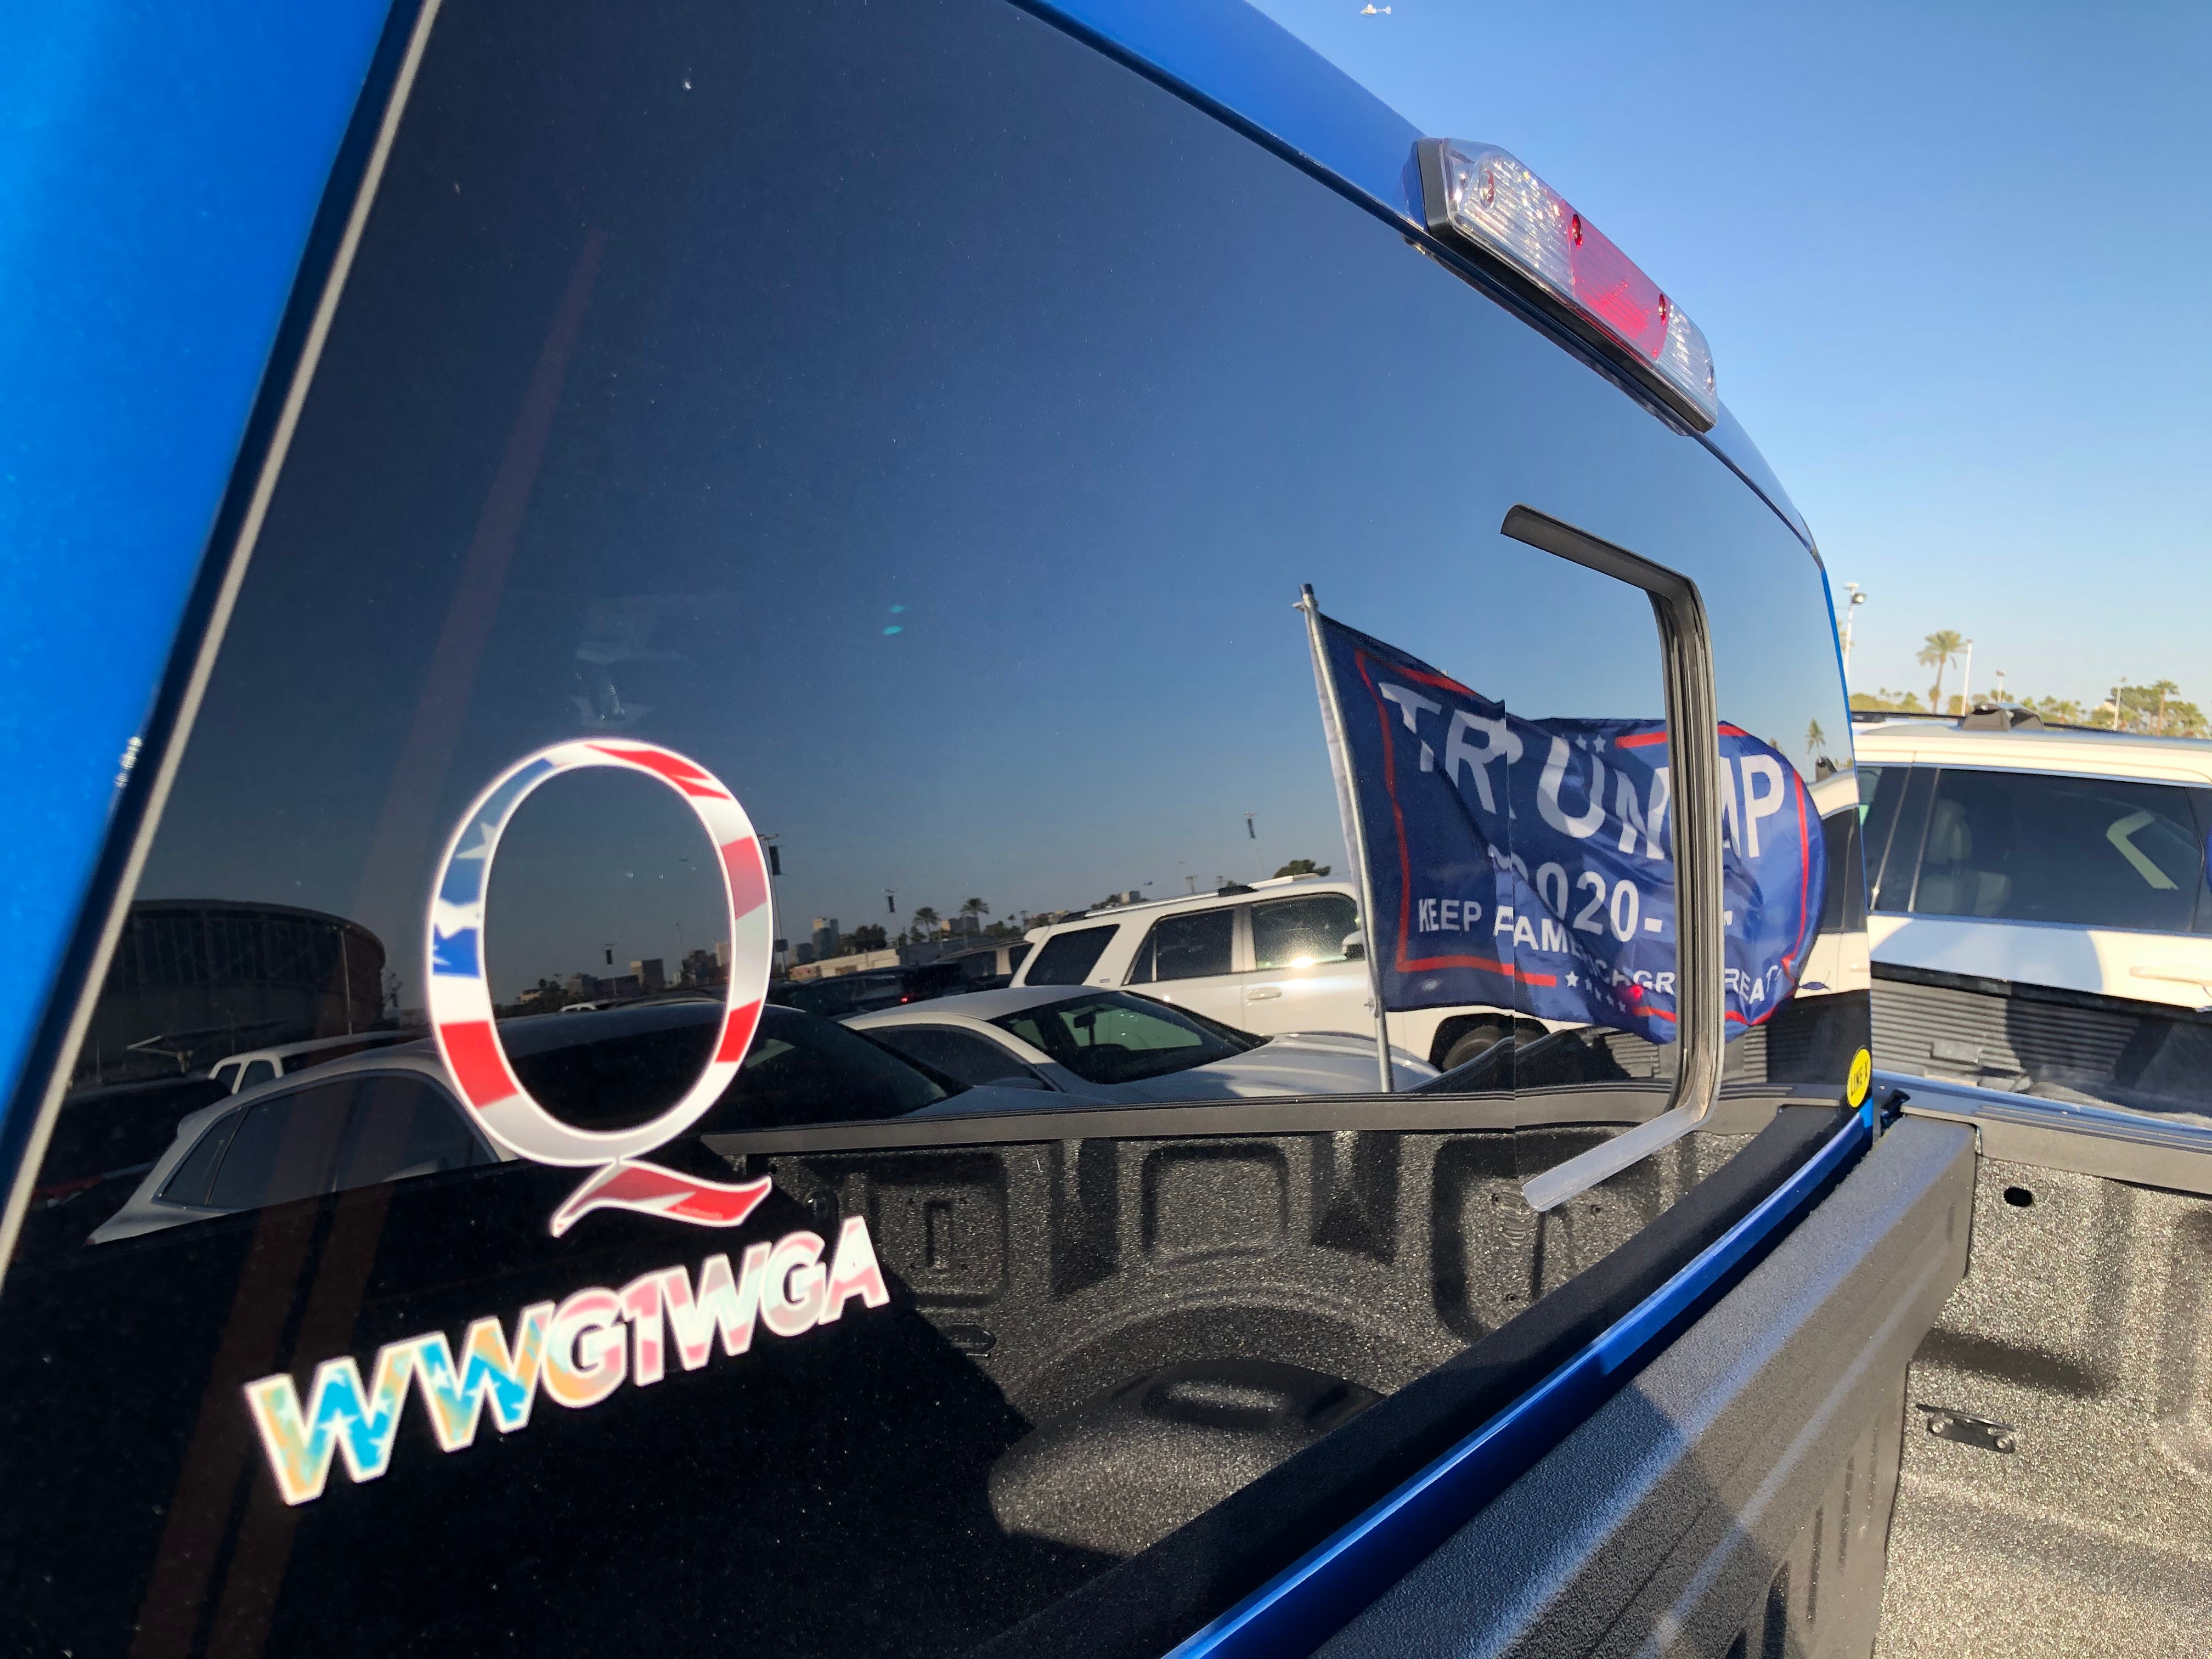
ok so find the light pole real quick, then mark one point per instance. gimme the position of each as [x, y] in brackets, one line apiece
[1851, 611]
[1966, 690]
[778, 949]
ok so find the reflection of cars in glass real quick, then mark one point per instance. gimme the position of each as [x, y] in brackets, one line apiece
[870, 988]
[258, 1065]
[393, 1115]
[1111, 1045]
[1274, 956]
[2040, 919]
[105, 1140]
[1285, 954]
[384, 1117]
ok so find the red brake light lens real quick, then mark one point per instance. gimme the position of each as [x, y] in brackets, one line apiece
[1487, 196]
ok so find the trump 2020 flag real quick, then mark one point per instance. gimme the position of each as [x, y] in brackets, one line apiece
[1528, 863]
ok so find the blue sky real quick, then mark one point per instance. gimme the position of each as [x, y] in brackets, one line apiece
[1953, 263]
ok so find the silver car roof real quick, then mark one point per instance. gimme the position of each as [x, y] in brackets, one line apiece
[975, 1004]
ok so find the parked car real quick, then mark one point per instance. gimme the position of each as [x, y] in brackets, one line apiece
[391, 1114]
[259, 1065]
[1269, 957]
[1286, 955]
[1112, 1045]
[870, 988]
[2040, 917]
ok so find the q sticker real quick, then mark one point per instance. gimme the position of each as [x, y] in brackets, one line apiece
[461, 1016]
[577, 1351]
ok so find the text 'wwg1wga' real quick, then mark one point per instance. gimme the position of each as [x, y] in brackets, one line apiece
[576, 1353]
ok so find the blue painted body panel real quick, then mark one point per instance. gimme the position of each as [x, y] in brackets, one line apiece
[160, 166]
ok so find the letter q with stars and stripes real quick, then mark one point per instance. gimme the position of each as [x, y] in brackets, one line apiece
[460, 1003]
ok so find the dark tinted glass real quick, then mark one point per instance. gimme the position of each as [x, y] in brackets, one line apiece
[802, 1069]
[614, 1068]
[1068, 958]
[2035, 846]
[103, 1130]
[1294, 932]
[2200, 803]
[283, 1149]
[960, 1054]
[1115, 1038]
[827, 997]
[1892, 833]
[1192, 946]
[189, 1184]
[403, 1125]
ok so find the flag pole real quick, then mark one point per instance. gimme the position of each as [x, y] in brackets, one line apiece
[1355, 832]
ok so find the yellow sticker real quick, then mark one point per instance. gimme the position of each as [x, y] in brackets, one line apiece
[1861, 1078]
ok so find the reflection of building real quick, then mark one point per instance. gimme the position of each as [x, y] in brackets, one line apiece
[703, 968]
[854, 962]
[650, 974]
[590, 987]
[826, 936]
[194, 980]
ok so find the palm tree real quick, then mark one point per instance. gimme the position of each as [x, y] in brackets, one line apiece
[976, 908]
[2163, 689]
[925, 922]
[1943, 646]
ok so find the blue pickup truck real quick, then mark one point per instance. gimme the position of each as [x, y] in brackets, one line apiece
[518, 507]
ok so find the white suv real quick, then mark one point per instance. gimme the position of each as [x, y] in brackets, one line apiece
[1270, 957]
[2011, 865]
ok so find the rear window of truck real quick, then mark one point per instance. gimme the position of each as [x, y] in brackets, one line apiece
[720, 437]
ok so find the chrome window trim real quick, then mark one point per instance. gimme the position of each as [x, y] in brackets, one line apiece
[1686, 647]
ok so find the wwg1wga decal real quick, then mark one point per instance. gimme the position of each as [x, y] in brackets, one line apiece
[575, 1353]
